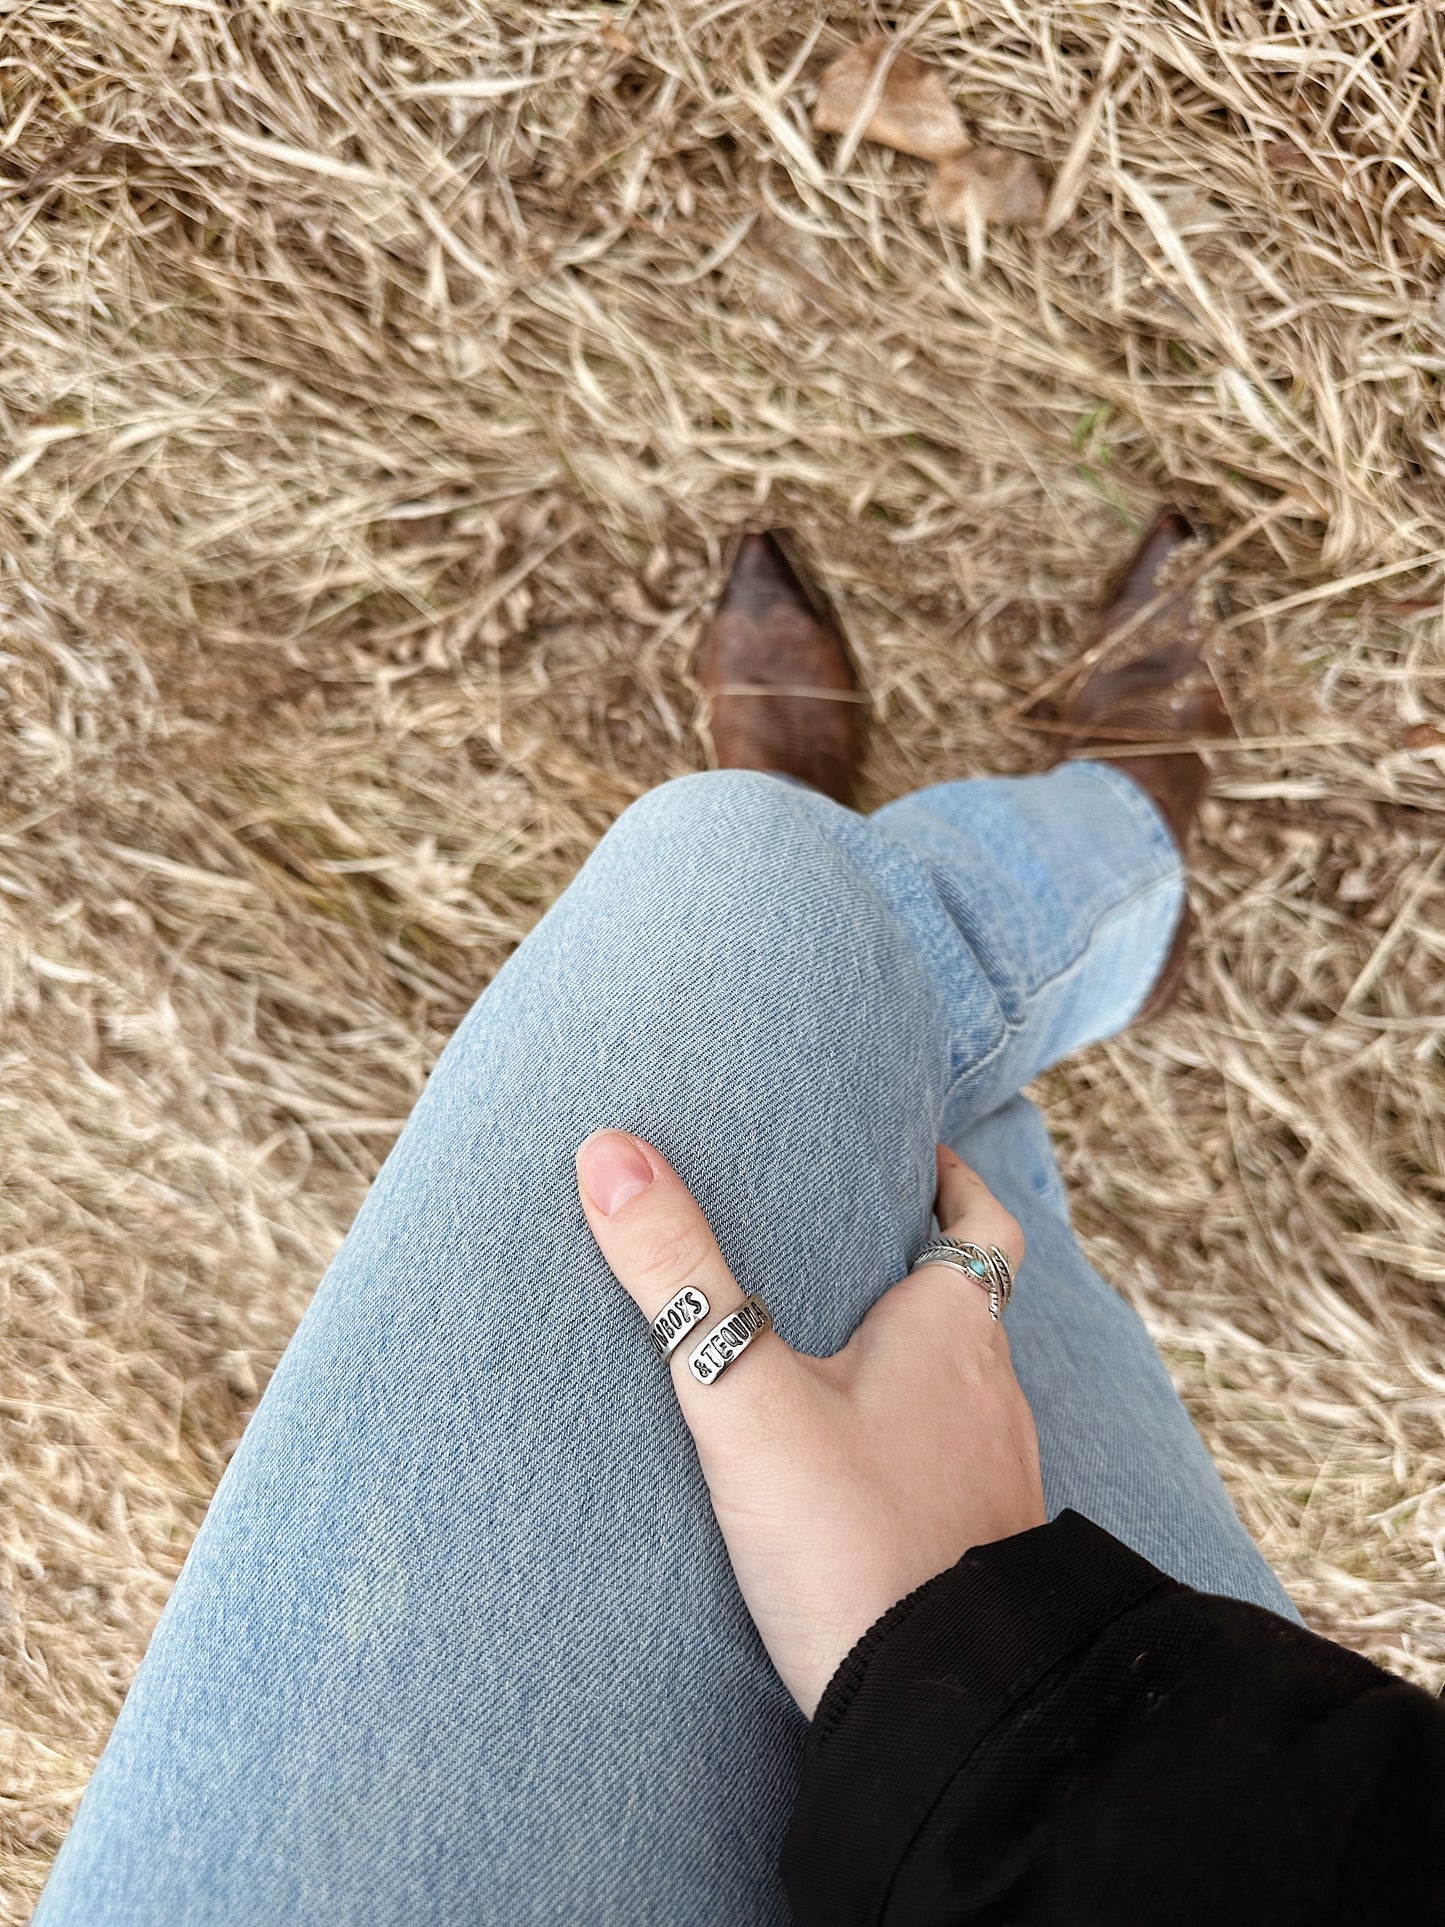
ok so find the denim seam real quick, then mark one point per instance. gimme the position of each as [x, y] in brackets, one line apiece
[1011, 1030]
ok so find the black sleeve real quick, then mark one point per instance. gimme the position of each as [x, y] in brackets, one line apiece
[1052, 1731]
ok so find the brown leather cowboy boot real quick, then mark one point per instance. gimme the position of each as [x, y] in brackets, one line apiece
[782, 689]
[1156, 687]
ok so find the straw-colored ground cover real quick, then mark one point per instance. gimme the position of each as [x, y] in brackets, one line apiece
[379, 380]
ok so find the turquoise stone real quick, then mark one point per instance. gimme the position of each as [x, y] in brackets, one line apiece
[978, 1267]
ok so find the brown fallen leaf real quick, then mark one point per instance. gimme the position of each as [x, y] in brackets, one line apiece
[907, 107]
[988, 184]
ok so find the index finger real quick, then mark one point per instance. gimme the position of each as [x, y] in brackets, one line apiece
[968, 1209]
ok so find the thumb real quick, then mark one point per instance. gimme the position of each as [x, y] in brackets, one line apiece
[661, 1249]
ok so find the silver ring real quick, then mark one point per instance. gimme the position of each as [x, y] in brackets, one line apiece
[988, 1269]
[728, 1340]
[1003, 1271]
[677, 1318]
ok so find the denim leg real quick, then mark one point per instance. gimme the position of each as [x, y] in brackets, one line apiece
[458, 1641]
[1114, 1442]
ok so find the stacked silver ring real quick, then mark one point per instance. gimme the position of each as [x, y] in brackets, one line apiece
[727, 1340]
[989, 1269]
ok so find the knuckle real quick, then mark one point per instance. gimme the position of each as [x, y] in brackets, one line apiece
[671, 1255]
[988, 1222]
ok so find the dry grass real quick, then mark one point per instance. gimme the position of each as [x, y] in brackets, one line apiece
[377, 385]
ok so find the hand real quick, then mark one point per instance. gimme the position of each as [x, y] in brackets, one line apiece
[840, 1483]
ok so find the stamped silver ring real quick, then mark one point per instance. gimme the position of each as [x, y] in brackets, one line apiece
[728, 1340]
[678, 1317]
[989, 1269]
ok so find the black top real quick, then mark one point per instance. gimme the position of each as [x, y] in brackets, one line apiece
[1052, 1731]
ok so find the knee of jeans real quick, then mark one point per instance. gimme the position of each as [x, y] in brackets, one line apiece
[731, 815]
[736, 861]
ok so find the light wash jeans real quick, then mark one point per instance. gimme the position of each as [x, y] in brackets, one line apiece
[458, 1641]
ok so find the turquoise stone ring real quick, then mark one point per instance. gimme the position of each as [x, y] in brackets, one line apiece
[990, 1269]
